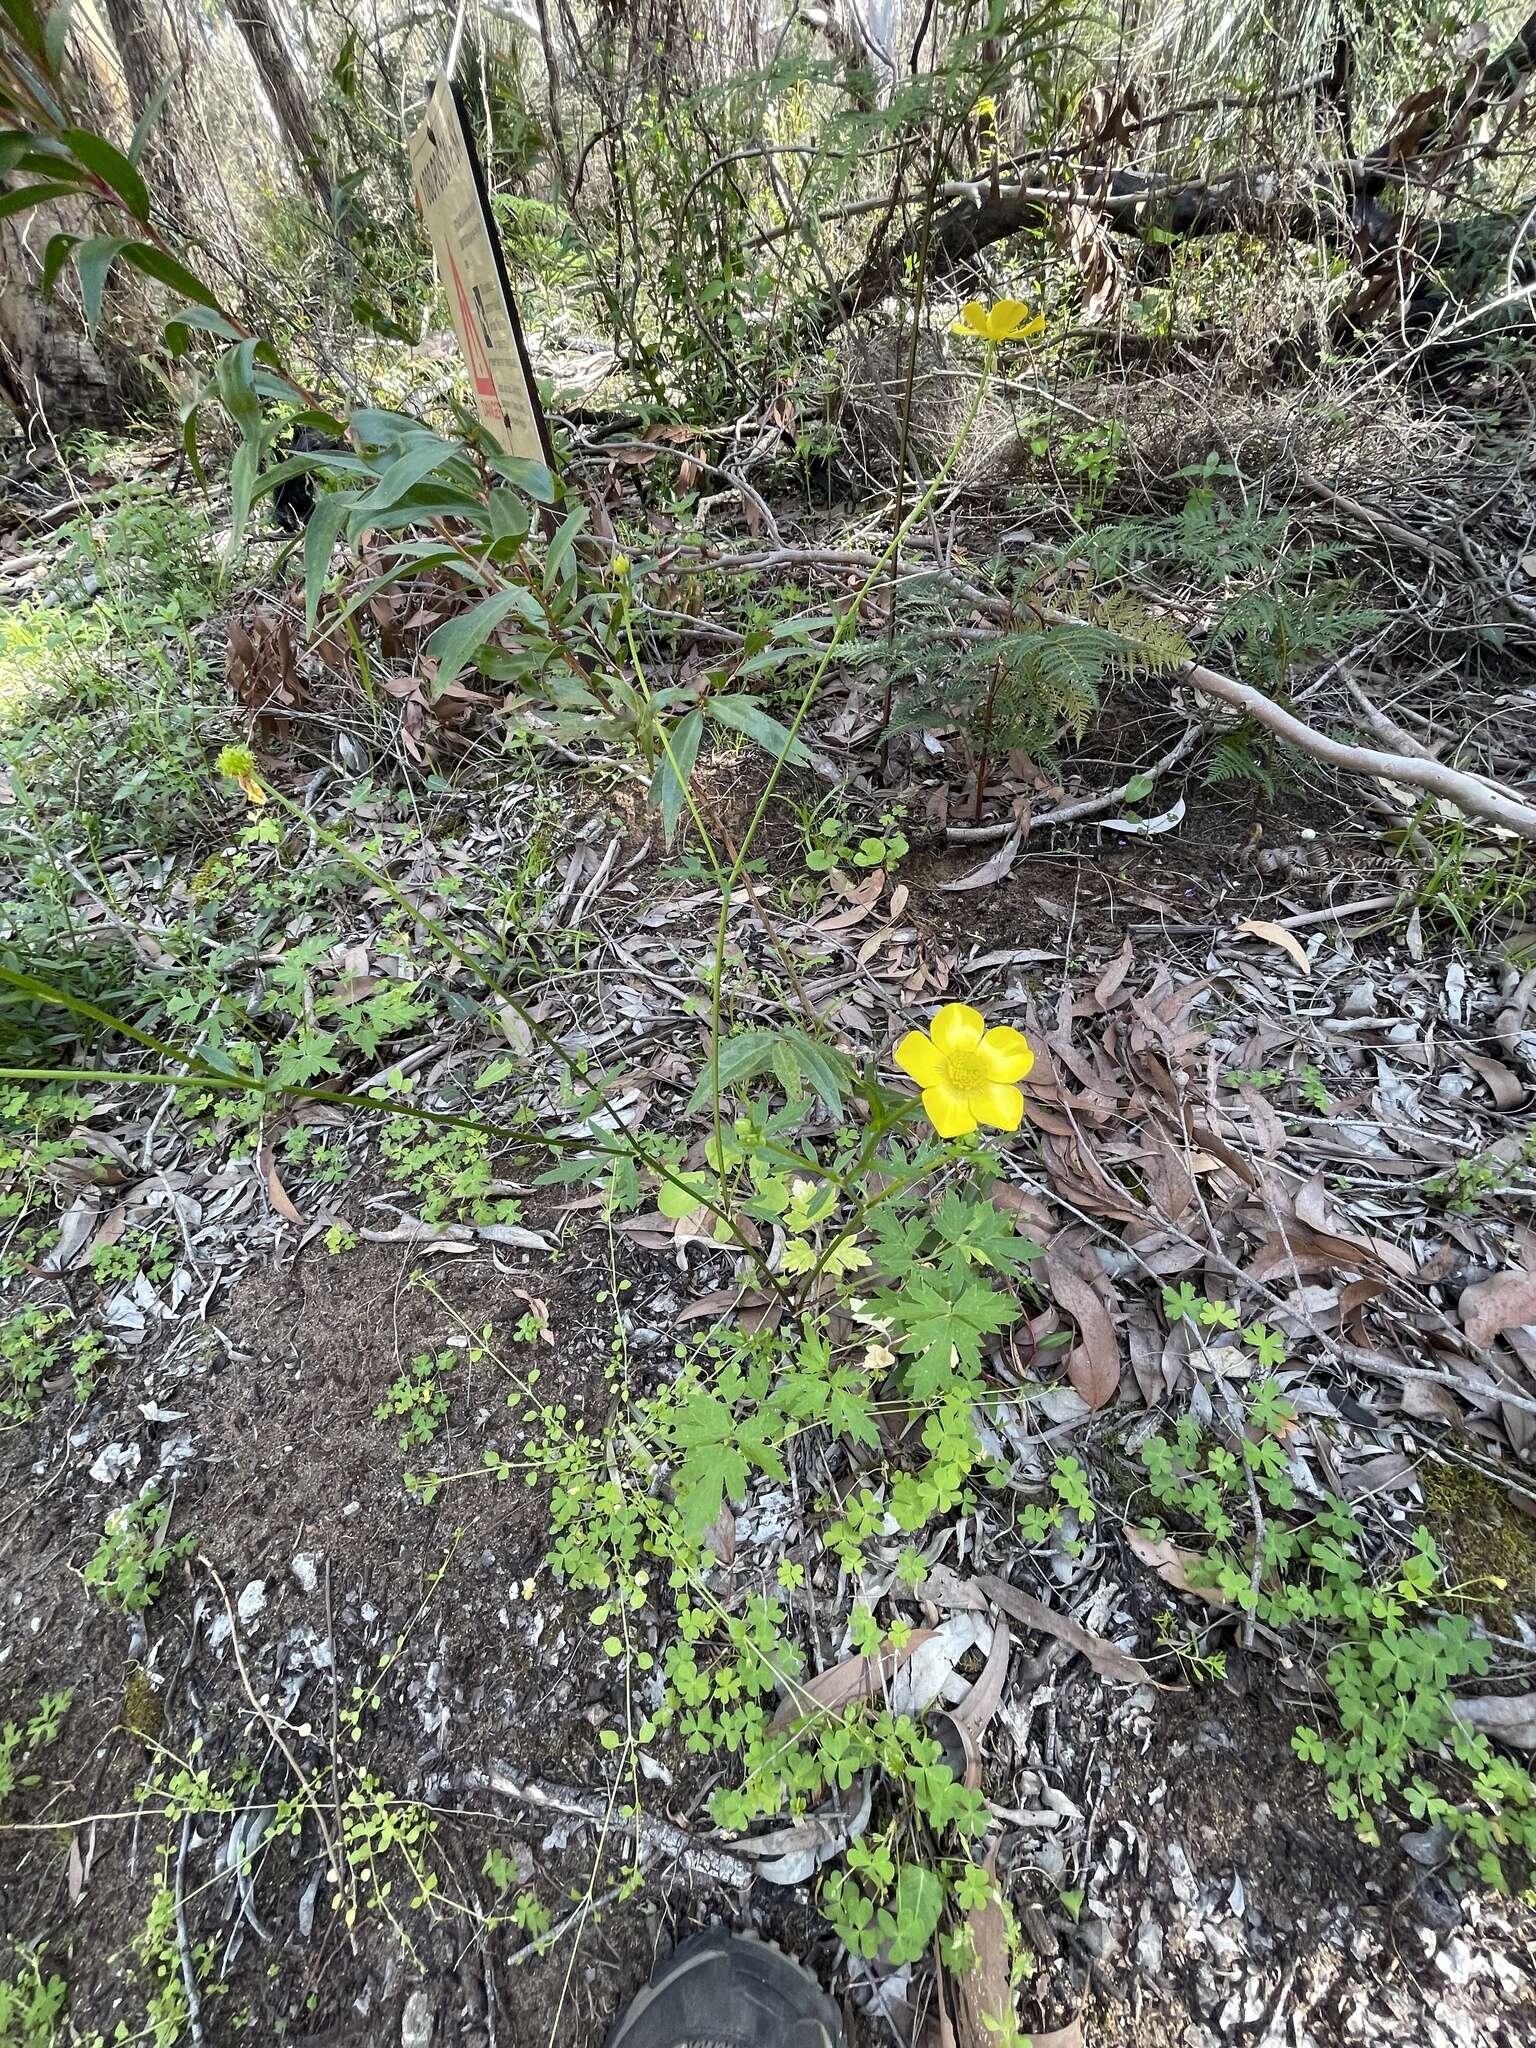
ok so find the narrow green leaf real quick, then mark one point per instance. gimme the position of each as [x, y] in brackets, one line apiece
[242, 483]
[558, 562]
[34, 195]
[112, 167]
[427, 502]
[189, 436]
[828, 1072]
[325, 522]
[46, 157]
[452, 645]
[236, 393]
[23, 18]
[93, 260]
[339, 461]
[176, 277]
[56, 32]
[55, 256]
[407, 470]
[531, 477]
[179, 330]
[148, 118]
[745, 715]
[742, 1059]
[379, 429]
[508, 515]
[674, 771]
[14, 145]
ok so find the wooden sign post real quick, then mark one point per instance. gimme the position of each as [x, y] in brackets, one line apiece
[451, 192]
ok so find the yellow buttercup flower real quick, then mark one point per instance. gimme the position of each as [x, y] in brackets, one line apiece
[968, 1074]
[1008, 320]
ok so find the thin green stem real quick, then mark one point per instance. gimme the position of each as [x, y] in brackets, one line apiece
[840, 633]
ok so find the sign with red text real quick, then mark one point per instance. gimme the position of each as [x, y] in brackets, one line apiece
[451, 193]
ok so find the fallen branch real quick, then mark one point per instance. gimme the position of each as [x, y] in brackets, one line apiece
[1080, 807]
[1469, 793]
[656, 1837]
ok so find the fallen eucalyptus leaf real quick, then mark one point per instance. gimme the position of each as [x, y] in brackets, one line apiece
[1277, 935]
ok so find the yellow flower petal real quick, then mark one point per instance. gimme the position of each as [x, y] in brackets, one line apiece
[973, 319]
[957, 1028]
[919, 1057]
[253, 789]
[1006, 1054]
[949, 1111]
[994, 1104]
[1005, 319]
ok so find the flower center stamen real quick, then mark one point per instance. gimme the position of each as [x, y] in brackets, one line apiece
[964, 1072]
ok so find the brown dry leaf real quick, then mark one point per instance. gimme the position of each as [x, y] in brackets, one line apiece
[1168, 1183]
[1146, 1346]
[1265, 1118]
[975, 1712]
[76, 1871]
[1026, 1209]
[1069, 2036]
[721, 1301]
[1504, 1085]
[1506, 1302]
[1321, 1240]
[856, 1678]
[720, 1537]
[1277, 935]
[1094, 1365]
[112, 1227]
[1108, 1660]
[1172, 1565]
[995, 868]
[277, 1194]
[1108, 985]
[984, 1994]
[1352, 1300]
[946, 1588]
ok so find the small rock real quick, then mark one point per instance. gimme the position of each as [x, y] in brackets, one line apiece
[416, 2022]
[306, 1569]
[1430, 1848]
[252, 1600]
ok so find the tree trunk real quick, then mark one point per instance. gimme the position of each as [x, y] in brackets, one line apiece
[284, 88]
[146, 64]
[51, 377]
